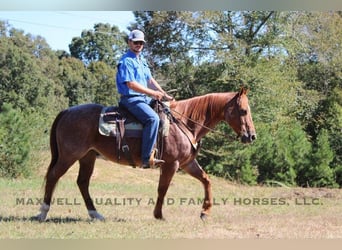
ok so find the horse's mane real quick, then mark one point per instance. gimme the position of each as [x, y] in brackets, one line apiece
[201, 107]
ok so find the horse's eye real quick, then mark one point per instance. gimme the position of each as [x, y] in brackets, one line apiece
[243, 112]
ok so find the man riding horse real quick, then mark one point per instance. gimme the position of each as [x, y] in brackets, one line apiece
[136, 87]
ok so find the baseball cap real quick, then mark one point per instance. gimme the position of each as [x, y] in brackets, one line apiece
[136, 35]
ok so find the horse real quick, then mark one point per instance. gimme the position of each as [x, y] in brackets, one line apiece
[74, 137]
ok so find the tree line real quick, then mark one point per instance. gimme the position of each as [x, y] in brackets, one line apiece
[290, 61]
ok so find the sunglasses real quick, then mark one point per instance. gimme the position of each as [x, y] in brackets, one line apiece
[138, 43]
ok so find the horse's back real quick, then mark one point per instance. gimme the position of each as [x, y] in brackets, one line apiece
[86, 108]
[79, 123]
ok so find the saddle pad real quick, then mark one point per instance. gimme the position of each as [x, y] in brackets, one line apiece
[132, 129]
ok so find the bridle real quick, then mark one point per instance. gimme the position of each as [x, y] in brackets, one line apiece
[229, 137]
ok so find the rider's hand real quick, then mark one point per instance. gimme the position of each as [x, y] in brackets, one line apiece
[158, 95]
[167, 97]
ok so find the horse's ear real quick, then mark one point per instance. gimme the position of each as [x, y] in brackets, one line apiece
[243, 91]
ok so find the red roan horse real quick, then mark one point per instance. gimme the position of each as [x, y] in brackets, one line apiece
[75, 137]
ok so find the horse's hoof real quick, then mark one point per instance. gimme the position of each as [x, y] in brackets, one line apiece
[40, 217]
[44, 209]
[204, 217]
[159, 218]
[158, 215]
[94, 215]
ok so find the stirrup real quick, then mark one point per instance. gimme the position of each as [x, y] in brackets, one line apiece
[153, 162]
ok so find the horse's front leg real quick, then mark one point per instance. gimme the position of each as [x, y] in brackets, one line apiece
[195, 170]
[167, 171]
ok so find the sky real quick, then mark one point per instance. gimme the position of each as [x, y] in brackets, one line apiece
[59, 27]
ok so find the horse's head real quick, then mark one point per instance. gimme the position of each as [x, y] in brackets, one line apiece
[238, 116]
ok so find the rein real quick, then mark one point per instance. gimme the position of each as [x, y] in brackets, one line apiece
[230, 137]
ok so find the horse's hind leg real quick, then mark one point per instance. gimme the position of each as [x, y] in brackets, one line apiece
[55, 172]
[195, 170]
[86, 170]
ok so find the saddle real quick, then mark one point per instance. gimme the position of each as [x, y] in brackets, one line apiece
[113, 118]
[118, 122]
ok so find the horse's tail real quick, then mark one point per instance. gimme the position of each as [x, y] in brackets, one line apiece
[53, 142]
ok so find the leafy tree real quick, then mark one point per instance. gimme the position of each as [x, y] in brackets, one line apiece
[318, 173]
[317, 51]
[28, 73]
[248, 33]
[280, 151]
[105, 43]
[30, 96]
[328, 117]
[209, 40]
[78, 82]
[105, 89]
[14, 142]
[166, 33]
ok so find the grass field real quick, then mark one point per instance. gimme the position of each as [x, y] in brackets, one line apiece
[125, 197]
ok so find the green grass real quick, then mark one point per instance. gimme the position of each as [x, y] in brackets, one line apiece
[239, 212]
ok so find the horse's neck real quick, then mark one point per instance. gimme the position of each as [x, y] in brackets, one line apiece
[201, 114]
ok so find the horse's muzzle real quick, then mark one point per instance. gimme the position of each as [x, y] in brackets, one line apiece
[248, 137]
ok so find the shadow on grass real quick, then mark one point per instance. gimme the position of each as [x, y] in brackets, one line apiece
[53, 220]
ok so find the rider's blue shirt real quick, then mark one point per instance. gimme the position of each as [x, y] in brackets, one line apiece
[131, 68]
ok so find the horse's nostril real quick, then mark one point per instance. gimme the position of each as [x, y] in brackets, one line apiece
[248, 137]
